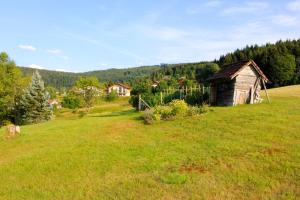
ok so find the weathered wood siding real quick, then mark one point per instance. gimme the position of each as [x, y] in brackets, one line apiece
[225, 93]
[244, 81]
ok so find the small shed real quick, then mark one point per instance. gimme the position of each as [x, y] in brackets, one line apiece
[237, 83]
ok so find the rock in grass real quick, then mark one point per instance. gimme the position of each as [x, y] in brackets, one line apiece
[12, 131]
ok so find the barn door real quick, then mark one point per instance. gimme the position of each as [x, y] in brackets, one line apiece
[241, 97]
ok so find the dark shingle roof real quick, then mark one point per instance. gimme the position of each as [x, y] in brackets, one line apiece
[230, 71]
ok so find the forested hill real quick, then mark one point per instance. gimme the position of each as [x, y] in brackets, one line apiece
[56, 79]
[280, 62]
[67, 79]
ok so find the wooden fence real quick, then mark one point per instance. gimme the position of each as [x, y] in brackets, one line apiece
[182, 93]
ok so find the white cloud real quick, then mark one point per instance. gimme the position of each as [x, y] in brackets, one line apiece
[54, 51]
[294, 5]
[35, 66]
[248, 7]
[27, 47]
[285, 20]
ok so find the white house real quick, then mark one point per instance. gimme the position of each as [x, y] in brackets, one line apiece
[121, 89]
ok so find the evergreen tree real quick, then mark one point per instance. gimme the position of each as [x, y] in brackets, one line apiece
[33, 105]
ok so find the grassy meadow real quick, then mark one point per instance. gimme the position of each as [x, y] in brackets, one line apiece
[242, 152]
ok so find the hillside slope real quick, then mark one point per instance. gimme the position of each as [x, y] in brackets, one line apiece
[67, 79]
[243, 152]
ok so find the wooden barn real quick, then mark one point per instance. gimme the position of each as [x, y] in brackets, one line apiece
[237, 83]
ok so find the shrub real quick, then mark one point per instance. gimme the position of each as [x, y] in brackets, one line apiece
[72, 102]
[149, 117]
[112, 96]
[179, 108]
[165, 112]
[81, 114]
[196, 111]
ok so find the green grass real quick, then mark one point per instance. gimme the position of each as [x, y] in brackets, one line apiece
[243, 152]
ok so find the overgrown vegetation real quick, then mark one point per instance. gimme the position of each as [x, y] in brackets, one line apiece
[175, 109]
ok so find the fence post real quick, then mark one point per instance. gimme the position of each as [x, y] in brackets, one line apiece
[161, 98]
[140, 103]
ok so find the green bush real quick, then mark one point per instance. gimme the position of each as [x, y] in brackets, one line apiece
[81, 114]
[179, 108]
[165, 112]
[112, 96]
[72, 102]
[196, 111]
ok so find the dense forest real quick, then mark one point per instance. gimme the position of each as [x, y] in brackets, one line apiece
[67, 79]
[280, 62]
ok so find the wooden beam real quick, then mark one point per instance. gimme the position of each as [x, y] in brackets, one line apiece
[263, 82]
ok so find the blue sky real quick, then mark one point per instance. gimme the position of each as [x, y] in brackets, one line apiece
[73, 35]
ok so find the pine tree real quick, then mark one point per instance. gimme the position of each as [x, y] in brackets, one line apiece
[34, 106]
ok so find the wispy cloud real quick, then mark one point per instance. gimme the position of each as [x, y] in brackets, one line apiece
[248, 7]
[58, 52]
[27, 47]
[285, 20]
[35, 66]
[102, 44]
[54, 51]
[294, 5]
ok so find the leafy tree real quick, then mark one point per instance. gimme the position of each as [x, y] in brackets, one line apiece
[11, 85]
[86, 82]
[72, 101]
[4, 58]
[142, 87]
[206, 71]
[90, 86]
[52, 91]
[33, 106]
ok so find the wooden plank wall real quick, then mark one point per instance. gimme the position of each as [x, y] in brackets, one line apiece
[244, 81]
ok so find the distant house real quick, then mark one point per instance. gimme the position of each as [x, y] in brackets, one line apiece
[81, 91]
[121, 89]
[54, 103]
[237, 83]
[155, 84]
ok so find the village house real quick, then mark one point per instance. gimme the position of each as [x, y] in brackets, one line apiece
[54, 103]
[155, 84]
[121, 89]
[237, 83]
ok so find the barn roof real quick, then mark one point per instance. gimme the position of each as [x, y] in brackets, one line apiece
[232, 70]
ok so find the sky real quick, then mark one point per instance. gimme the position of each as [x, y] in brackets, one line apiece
[78, 35]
